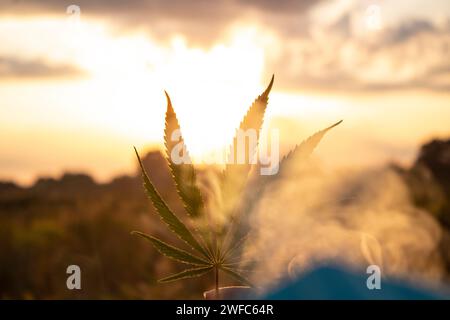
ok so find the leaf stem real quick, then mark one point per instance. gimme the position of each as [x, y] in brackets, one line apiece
[216, 269]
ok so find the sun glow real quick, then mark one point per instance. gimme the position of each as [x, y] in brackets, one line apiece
[129, 75]
[80, 124]
[123, 93]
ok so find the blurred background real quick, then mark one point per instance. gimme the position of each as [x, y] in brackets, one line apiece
[82, 82]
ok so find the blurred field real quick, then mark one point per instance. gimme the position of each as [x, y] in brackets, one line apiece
[74, 220]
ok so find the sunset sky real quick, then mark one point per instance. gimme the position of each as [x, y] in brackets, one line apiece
[77, 92]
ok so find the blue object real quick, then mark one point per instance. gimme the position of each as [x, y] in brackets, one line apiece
[333, 283]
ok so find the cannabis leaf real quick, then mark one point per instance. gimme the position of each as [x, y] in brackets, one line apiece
[298, 154]
[166, 215]
[223, 253]
[304, 149]
[173, 252]
[235, 174]
[188, 273]
[183, 173]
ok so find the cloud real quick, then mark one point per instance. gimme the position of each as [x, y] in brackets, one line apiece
[410, 55]
[16, 69]
[177, 8]
[201, 21]
[283, 6]
[408, 30]
[312, 50]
